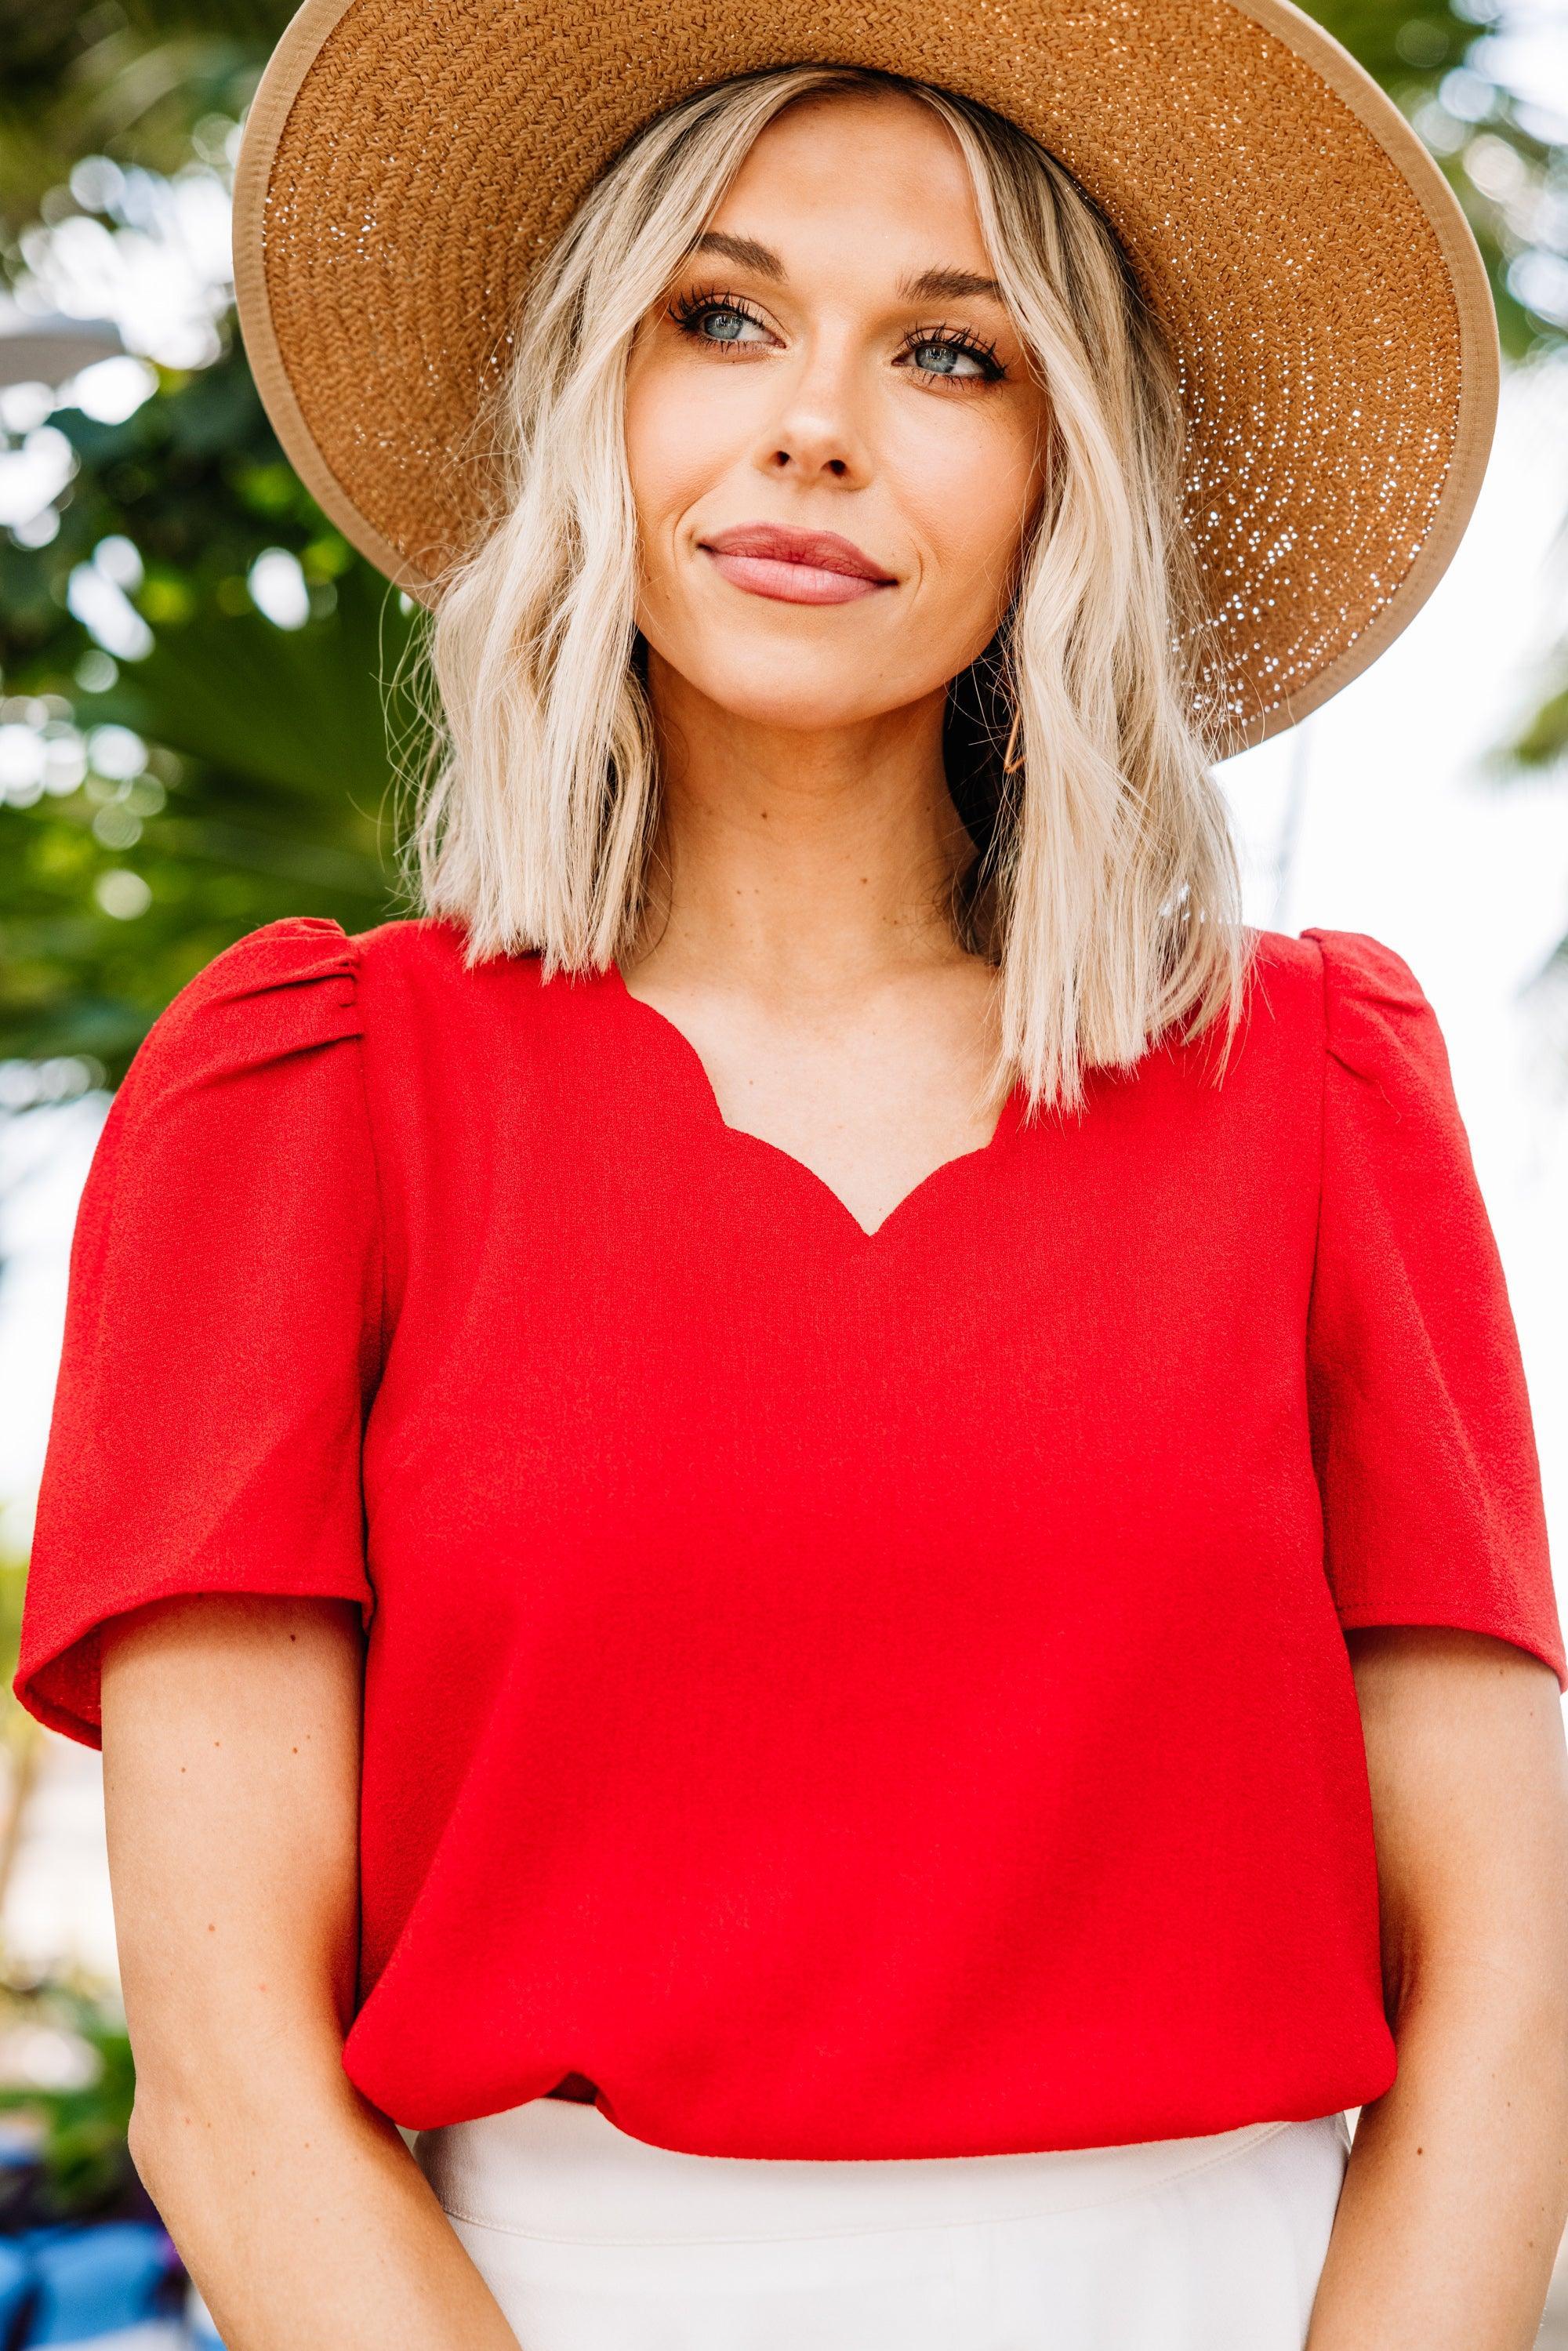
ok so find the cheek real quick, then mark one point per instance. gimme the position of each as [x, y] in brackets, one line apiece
[662, 452]
[969, 494]
[677, 448]
[673, 452]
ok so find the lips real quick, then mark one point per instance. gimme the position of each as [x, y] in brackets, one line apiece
[795, 567]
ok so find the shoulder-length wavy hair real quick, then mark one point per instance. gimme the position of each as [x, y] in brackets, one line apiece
[1104, 885]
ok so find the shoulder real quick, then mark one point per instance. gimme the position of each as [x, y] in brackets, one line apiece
[1330, 962]
[282, 1010]
[1387, 1084]
[1322, 1015]
[249, 1080]
[1345, 985]
[1277, 1037]
[430, 956]
[306, 979]
[420, 983]
[265, 997]
[1380, 1031]
[1284, 977]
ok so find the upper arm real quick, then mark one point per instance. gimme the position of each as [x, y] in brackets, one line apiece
[1467, 1768]
[1421, 1431]
[223, 1331]
[231, 1750]
[1435, 1542]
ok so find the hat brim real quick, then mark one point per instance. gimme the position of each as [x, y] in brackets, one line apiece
[402, 170]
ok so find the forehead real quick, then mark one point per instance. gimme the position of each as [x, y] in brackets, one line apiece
[841, 167]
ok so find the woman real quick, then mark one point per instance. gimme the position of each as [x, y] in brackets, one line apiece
[926, 1432]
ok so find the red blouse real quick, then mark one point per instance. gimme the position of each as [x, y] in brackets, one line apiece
[842, 1695]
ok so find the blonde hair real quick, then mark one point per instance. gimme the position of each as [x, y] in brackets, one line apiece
[1106, 885]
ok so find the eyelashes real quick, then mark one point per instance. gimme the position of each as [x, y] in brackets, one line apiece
[690, 310]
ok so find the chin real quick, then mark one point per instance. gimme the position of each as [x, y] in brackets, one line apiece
[765, 688]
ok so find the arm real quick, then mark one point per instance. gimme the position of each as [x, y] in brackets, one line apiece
[231, 1745]
[1457, 2190]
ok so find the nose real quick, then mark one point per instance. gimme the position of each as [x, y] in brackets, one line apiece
[817, 428]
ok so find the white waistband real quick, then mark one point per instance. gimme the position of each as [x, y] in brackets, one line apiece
[559, 2169]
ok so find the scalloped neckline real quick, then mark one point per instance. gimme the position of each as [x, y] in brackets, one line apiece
[702, 1086]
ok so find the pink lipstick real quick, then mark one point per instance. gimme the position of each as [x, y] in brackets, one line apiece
[801, 566]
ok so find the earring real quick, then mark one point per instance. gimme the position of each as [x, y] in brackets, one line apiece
[1009, 765]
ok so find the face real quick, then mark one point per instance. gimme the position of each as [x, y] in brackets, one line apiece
[833, 438]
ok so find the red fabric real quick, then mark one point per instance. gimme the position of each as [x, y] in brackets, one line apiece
[842, 1696]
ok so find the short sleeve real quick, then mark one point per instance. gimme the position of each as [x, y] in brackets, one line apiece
[221, 1328]
[1421, 1428]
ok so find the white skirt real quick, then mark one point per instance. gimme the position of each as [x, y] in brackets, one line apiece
[593, 2241]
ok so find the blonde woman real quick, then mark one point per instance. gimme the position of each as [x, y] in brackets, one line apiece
[804, 1533]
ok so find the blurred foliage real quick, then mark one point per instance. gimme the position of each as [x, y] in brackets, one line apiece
[266, 777]
[1543, 738]
[65, 2056]
[20, 1734]
[13, 1576]
[128, 78]
[267, 768]
[264, 787]
[1412, 47]
[82, 2124]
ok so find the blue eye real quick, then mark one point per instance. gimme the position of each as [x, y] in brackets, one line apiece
[955, 358]
[727, 325]
[725, 321]
[946, 360]
[694, 316]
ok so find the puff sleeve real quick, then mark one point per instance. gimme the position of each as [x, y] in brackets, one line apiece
[221, 1328]
[1421, 1428]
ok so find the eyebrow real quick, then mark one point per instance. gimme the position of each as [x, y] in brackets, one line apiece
[927, 285]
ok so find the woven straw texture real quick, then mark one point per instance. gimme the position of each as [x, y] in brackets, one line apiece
[406, 162]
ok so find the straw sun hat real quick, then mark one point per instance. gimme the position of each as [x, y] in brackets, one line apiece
[406, 162]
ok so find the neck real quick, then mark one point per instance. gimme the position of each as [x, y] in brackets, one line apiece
[802, 859]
